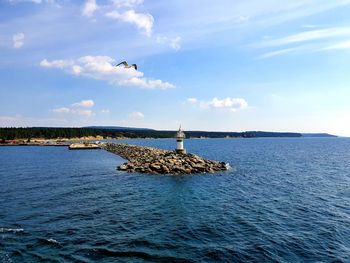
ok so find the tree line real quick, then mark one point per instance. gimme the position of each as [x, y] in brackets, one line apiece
[55, 133]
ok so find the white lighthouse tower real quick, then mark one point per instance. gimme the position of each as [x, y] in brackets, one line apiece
[180, 136]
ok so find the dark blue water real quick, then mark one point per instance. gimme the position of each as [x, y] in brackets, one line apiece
[285, 200]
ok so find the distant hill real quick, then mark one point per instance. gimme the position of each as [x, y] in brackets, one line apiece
[118, 128]
[271, 134]
[318, 135]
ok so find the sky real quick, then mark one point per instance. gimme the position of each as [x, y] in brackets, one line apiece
[225, 65]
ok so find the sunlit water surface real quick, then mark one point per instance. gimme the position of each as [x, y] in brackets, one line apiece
[284, 200]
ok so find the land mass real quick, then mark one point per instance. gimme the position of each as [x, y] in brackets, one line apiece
[317, 135]
[110, 132]
[118, 128]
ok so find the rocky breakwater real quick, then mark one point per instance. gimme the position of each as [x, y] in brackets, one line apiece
[156, 161]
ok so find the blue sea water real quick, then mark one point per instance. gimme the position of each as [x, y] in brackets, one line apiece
[284, 200]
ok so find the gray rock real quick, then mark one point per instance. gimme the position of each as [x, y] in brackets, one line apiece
[150, 160]
[122, 167]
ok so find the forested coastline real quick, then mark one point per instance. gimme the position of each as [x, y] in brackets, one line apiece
[56, 133]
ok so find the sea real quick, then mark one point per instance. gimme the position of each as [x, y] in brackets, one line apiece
[283, 200]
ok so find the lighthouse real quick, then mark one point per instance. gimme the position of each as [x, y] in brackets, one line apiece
[180, 136]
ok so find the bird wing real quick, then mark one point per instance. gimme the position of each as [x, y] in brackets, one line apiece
[124, 63]
[135, 66]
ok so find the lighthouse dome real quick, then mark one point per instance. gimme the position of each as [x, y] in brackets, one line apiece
[180, 134]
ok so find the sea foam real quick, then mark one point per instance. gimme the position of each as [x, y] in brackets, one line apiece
[13, 230]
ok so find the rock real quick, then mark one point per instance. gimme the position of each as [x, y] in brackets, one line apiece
[165, 169]
[130, 165]
[155, 167]
[123, 167]
[199, 167]
[156, 161]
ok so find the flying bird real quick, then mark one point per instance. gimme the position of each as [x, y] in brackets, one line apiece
[126, 65]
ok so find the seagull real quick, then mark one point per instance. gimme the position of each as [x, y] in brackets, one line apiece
[126, 65]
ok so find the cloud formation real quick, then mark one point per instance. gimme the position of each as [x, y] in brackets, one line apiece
[174, 43]
[101, 68]
[278, 52]
[18, 40]
[142, 21]
[232, 104]
[136, 115]
[192, 100]
[124, 11]
[84, 103]
[307, 36]
[340, 45]
[126, 3]
[77, 108]
[89, 8]
[323, 39]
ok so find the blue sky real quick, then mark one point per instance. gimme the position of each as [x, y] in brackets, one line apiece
[221, 65]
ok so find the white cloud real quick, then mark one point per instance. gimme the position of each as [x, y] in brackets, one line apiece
[77, 69]
[192, 100]
[77, 109]
[136, 115]
[89, 8]
[84, 104]
[56, 63]
[277, 53]
[126, 3]
[101, 68]
[310, 26]
[307, 36]
[105, 111]
[312, 40]
[61, 110]
[18, 40]
[340, 45]
[232, 104]
[124, 11]
[142, 21]
[174, 43]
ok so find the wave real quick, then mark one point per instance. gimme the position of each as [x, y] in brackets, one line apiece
[49, 241]
[13, 230]
[53, 241]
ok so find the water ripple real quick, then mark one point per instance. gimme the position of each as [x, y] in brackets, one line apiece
[285, 200]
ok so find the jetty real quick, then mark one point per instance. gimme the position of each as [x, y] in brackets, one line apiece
[150, 160]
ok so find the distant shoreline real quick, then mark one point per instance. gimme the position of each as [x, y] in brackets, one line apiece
[44, 134]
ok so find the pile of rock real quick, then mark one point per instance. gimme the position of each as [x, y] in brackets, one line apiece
[155, 161]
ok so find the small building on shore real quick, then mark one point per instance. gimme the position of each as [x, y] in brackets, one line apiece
[180, 136]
